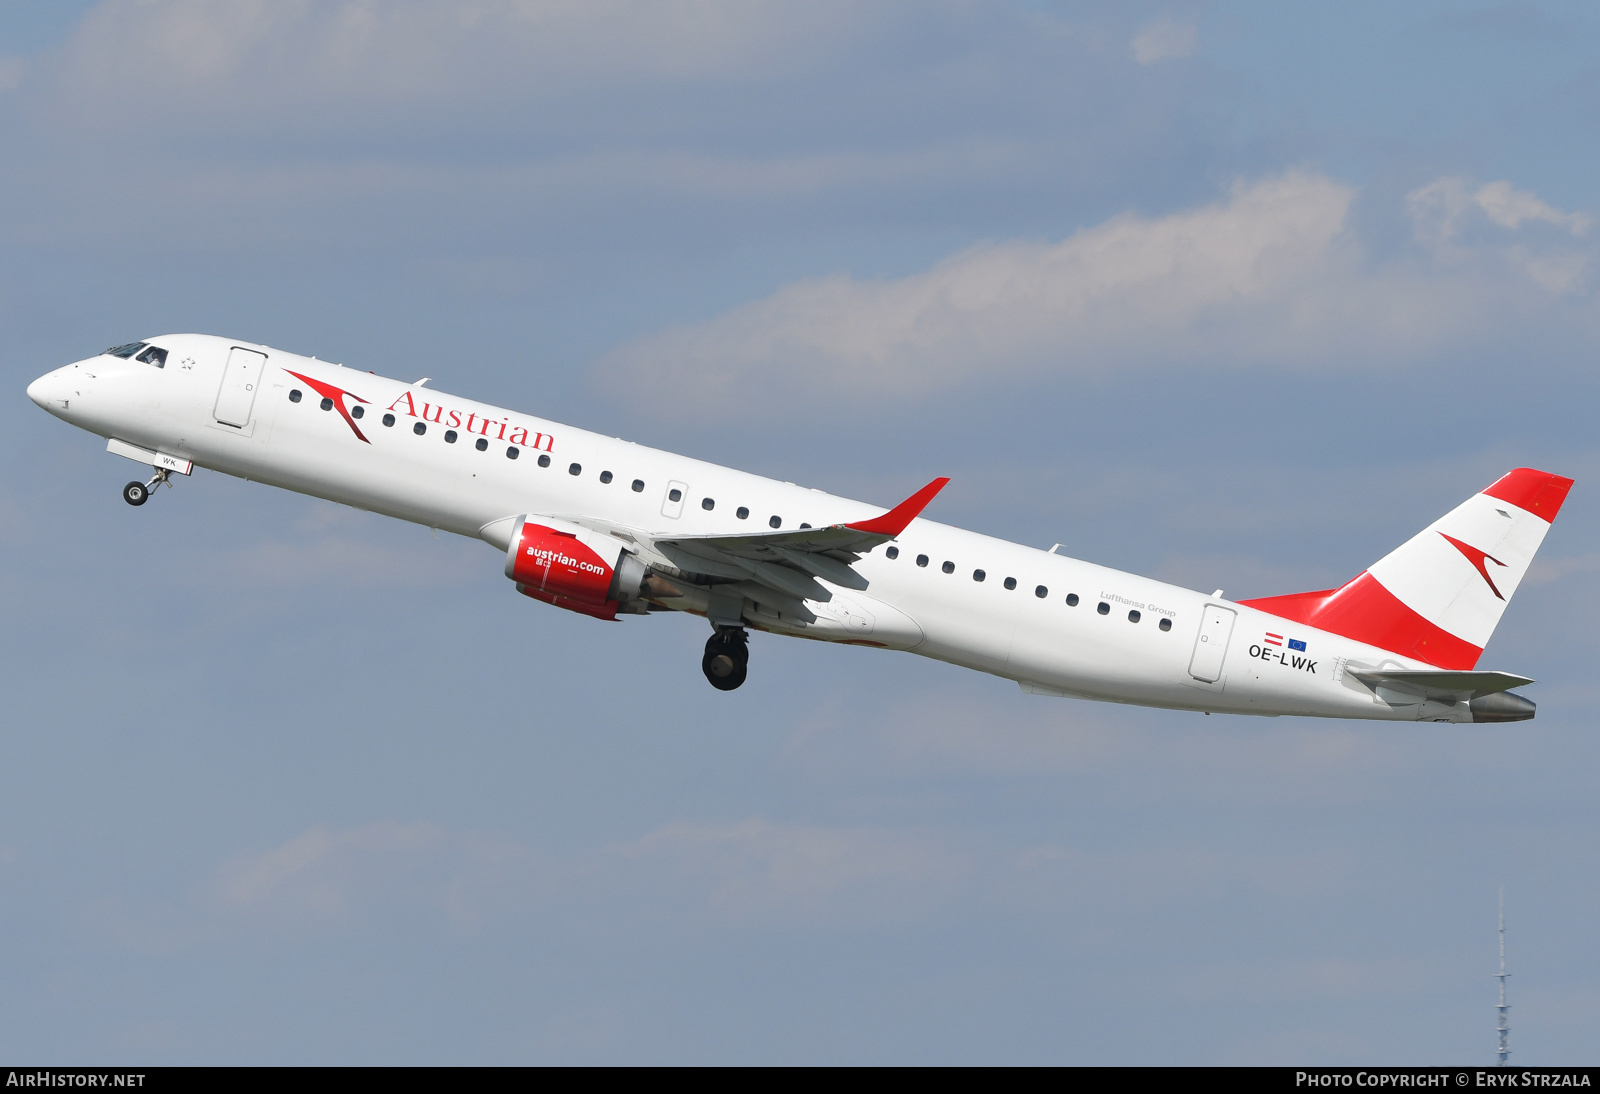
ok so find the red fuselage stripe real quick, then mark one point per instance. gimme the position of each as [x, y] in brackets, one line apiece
[1367, 612]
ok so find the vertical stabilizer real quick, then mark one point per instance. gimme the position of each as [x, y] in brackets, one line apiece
[1439, 596]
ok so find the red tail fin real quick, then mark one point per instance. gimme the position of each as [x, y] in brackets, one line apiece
[1438, 597]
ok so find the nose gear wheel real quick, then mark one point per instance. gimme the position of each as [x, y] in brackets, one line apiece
[137, 493]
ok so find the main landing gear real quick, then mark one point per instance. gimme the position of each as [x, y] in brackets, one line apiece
[727, 658]
[137, 493]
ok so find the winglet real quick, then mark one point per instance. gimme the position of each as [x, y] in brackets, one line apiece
[895, 520]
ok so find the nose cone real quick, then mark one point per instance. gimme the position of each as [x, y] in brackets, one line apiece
[39, 390]
[54, 391]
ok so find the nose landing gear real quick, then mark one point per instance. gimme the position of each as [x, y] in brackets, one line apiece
[137, 493]
[727, 658]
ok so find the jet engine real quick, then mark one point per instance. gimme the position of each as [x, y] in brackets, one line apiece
[572, 567]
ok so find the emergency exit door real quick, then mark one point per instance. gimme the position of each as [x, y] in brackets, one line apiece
[240, 380]
[1216, 627]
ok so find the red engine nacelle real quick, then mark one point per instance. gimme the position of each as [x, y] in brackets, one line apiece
[571, 567]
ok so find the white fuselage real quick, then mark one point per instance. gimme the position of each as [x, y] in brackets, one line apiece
[1016, 623]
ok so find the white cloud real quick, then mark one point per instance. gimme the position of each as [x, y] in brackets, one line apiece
[1109, 753]
[331, 879]
[1543, 571]
[1460, 221]
[335, 879]
[1440, 209]
[353, 562]
[1273, 274]
[1164, 40]
[754, 867]
[203, 58]
[333, 545]
[322, 875]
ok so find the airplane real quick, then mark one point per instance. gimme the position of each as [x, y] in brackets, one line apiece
[608, 528]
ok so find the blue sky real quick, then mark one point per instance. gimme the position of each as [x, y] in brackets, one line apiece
[1239, 295]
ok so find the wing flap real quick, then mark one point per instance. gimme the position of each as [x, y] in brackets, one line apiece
[704, 562]
[825, 567]
[790, 581]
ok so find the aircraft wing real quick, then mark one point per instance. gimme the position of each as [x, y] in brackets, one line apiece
[789, 563]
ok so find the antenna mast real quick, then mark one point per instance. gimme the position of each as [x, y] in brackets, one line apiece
[1503, 1029]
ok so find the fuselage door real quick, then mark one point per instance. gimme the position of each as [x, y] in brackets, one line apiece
[1216, 627]
[239, 383]
[672, 504]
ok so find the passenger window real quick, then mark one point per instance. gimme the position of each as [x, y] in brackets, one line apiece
[357, 411]
[512, 452]
[804, 525]
[892, 552]
[1040, 591]
[708, 504]
[1103, 608]
[575, 469]
[742, 513]
[922, 560]
[544, 461]
[1072, 600]
[327, 404]
[481, 444]
[419, 429]
[294, 395]
[638, 486]
[605, 476]
[674, 494]
[1165, 624]
[978, 575]
[449, 434]
[774, 522]
[388, 419]
[1011, 583]
[948, 567]
[155, 355]
[1134, 616]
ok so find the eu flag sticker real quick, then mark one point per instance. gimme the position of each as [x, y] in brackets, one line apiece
[1296, 644]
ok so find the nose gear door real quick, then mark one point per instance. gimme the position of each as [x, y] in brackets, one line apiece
[240, 380]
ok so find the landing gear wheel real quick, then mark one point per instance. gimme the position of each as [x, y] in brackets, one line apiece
[137, 493]
[727, 659]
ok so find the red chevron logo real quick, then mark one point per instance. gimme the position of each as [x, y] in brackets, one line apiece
[1477, 557]
[328, 391]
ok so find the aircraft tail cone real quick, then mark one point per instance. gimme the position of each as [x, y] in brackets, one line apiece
[1502, 706]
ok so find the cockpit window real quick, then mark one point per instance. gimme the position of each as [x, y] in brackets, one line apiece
[125, 351]
[155, 355]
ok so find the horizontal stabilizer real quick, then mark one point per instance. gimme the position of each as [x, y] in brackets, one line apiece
[1486, 694]
[1434, 684]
